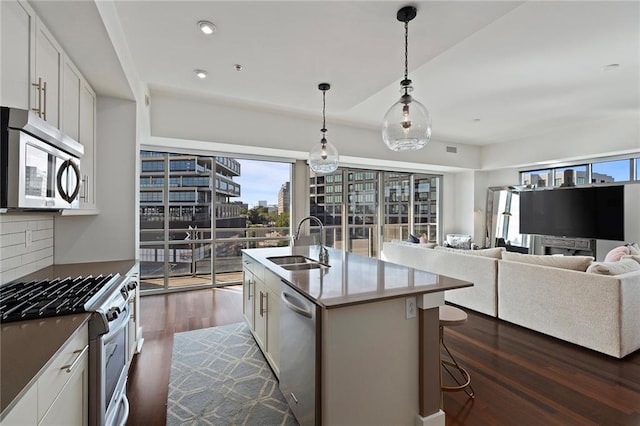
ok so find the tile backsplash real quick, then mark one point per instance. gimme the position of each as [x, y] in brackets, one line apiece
[26, 244]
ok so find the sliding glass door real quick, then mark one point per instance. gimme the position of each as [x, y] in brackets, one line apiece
[368, 207]
[195, 217]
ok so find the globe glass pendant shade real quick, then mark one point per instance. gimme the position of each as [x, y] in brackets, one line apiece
[407, 125]
[323, 157]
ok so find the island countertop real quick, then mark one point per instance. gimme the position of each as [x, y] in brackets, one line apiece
[352, 278]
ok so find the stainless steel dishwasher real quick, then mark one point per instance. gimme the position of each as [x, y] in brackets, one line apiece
[299, 355]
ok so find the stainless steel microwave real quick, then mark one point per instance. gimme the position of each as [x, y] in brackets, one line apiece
[39, 165]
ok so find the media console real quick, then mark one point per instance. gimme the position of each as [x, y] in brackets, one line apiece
[568, 246]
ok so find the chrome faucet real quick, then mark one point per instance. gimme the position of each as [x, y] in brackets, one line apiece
[323, 252]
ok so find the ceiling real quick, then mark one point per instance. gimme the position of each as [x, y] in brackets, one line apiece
[489, 72]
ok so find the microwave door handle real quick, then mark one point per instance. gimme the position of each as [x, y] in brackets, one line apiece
[63, 187]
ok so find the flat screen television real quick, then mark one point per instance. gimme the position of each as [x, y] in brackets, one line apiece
[590, 212]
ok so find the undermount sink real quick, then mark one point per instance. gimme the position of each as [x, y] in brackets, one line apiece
[296, 262]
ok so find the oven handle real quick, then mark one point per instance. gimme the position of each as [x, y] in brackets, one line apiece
[124, 319]
[125, 403]
[70, 367]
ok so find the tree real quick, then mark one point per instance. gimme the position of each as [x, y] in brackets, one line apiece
[282, 221]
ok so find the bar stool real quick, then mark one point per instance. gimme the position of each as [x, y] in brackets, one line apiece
[451, 316]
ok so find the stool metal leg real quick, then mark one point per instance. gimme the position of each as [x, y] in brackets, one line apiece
[465, 383]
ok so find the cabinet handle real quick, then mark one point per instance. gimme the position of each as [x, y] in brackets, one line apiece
[71, 366]
[264, 307]
[249, 289]
[38, 87]
[44, 105]
[85, 188]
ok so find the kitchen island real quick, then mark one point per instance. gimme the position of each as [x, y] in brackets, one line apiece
[377, 342]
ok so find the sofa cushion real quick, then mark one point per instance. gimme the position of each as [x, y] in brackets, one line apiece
[576, 263]
[406, 243]
[614, 268]
[616, 254]
[635, 257]
[495, 253]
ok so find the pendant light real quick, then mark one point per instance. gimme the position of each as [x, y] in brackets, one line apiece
[407, 124]
[323, 157]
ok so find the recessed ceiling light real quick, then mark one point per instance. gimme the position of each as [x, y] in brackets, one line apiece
[207, 27]
[238, 67]
[610, 67]
[476, 119]
[201, 74]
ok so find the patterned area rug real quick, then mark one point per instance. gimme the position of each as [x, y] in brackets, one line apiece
[220, 377]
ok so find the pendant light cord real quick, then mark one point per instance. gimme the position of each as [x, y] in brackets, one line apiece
[324, 127]
[406, 50]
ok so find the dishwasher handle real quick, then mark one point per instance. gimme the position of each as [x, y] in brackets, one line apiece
[285, 299]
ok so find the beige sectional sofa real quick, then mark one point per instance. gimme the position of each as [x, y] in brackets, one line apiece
[551, 295]
[600, 312]
[482, 271]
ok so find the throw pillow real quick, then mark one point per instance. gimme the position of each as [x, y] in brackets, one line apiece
[616, 254]
[413, 239]
[635, 257]
[576, 263]
[461, 241]
[634, 248]
[424, 239]
[614, 268]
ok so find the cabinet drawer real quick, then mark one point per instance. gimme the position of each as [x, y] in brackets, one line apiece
[56, 376]
[272, 282]
[256, 268]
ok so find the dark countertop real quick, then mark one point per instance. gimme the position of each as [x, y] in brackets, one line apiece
[26, 347]
[352, 278]
[84, 269]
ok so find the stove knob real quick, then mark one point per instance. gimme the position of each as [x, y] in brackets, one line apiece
[112, 314]
[132, 285]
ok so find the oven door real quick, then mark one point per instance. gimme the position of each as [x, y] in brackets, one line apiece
[49, 178]
[109, 405]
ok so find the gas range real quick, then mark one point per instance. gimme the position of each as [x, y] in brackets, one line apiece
[21, 301]
[109, 300]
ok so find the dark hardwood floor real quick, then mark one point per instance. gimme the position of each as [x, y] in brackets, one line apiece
[520, 377]
[161, 317]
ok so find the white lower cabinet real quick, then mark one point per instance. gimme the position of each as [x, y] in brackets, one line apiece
[248, 294]
[261, 295]
[261, 302]
[61, 393]
[272, 285]
[24, 413]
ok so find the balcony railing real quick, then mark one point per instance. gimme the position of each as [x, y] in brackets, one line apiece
[189, 252]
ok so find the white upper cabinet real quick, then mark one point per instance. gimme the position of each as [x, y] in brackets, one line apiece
[87, 137]
[71, 100]
[47, 76]
[36, 74]
[16, 53]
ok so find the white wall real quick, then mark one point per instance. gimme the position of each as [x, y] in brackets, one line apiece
[464, 204]
[190, 118]
[110, 235]
[619, 135]
[18, 259]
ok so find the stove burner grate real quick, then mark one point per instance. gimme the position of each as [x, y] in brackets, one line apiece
[21, 301]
